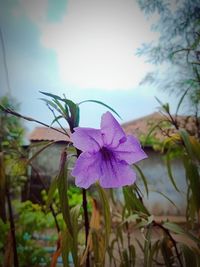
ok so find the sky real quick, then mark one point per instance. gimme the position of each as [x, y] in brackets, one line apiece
[83, 49]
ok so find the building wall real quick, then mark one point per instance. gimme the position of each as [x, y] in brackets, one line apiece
[155, 170]
[47, 164]
[45, 167]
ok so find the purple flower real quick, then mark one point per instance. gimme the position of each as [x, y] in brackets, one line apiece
[107, 155]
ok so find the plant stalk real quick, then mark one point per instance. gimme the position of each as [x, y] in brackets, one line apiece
[12, 228]
[84, 193]
[85, 210]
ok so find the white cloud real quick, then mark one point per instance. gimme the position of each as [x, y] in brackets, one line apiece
[96, 42]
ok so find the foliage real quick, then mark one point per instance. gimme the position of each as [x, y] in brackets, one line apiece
[4, 228]
[11, 138]
[177, 47]
[26, 247]
[11, 131]
[32, 217]
[113, 231]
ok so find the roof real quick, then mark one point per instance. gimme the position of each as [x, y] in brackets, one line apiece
[139, 127]
[48, 134]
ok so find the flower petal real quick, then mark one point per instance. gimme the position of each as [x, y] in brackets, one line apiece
[87, 169]
[87, 139]
[111, 130]
[116, 173]
[130, 150]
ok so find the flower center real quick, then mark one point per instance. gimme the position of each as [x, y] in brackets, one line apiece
[106, 153]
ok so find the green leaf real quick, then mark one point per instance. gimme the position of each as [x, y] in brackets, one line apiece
[187, 143]
[51, 192]
[52, 104]
[147, 247]
[167, 253]
[193, 177]
[178, 230]
[65, 247]
[190, 256]
[125, 258]
[169, 170]
[63, 111]
[173, 227]
[132, 255]
[111, 252]
[151, 130]
[165, 107]
[74, 214]
[101, 103]
[106, 211]
[181, 100]
[52, 95]
[39, 151]
[132, 202]
[74, 112]
[132, 218]
[62, 189]
[56, 119]
[195, 147]
[143, 178]
[154, 250]
[162, 194]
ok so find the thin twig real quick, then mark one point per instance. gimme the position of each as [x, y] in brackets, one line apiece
[53, 112]
[14, 113]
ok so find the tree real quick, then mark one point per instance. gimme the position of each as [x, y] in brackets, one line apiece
[11, 169]
[11, 137]
[176, 53]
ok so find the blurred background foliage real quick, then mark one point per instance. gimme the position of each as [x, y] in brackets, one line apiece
[119, 233]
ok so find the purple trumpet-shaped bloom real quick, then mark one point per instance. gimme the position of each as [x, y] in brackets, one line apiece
[107, 154]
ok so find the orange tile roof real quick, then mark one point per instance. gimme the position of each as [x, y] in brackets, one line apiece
[138, 127]
[47, 134]
[141, 127]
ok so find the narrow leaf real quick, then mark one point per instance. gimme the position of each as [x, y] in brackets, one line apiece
[39, 151]
[106, 211]
[51, 192]
[143, 178]
[147, 246]
[56, 119]
[190, 256]
[162, 194]
[62, 189]
[101, 103]
[51, 95]
[169, 170]
[52, 104]
[181, 100]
